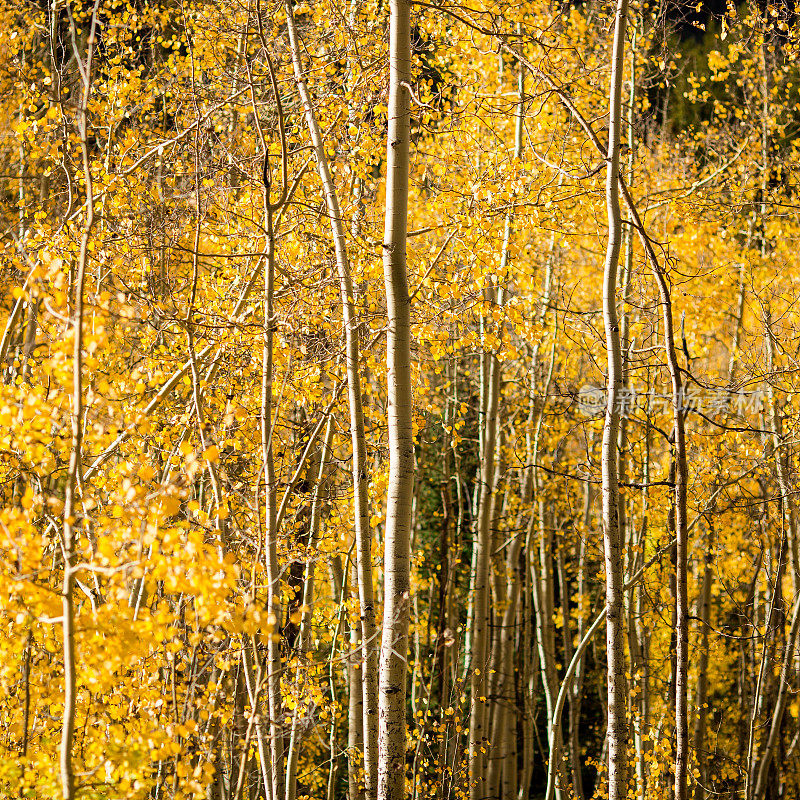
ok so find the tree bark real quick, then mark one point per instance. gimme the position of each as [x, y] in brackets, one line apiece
[543, 598]
[784, 685]
[76, 445]
[394, 644]
[681, 521]
[363, 535]
[304, 635]
[502, 773]
[478, 730]
[355, 711]
[272, 567]
[613, 545]
[701, 691]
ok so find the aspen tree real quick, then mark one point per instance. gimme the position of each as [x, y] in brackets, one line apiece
[705, 594]
[355, 709]
[479, 660]
[274, 667]
[503, 757]
[543, 593]
[613, 546]
[632, 546]
[680, 471]
[680, 512]
[363, 535]
[770, 746]
[74, 476]
[576, 694]
[641, 648]
[394, 642]
[762, 768]
[275, 765]
[340, 579]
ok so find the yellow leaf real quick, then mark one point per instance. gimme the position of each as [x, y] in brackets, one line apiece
[146, 473]
[170, 505]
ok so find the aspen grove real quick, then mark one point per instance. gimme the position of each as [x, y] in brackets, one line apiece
[398, 400]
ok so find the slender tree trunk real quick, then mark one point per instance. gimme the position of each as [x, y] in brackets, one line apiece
[544, 592]
[502, 777]
[363, 534]
[626, 523]
[478, 722]
[271, 754]
[536, 585]
[528, 692]
[790, 519]
[502, 772]
[701, 691]
[394, 644]
[573, 718]
[340, 577]
[496, 708]
[73, 481]
[304, 634]
[528, 632]
[441, 668]
[576, 695]
[642, 635]
[613, 545]
[543, 597]
[355, 726]
[681, 524]
[273, 575]
[771, 745]
[562, 696]
[253, 678]
[704, 599]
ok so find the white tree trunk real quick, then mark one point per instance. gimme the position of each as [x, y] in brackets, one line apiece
[307, 609]
[355, 712]
[394, 644]
[615, 628]
[272, 567]
[479, 641]
[75, 456]
[363, 536]
[785, 680]
[502, 769]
